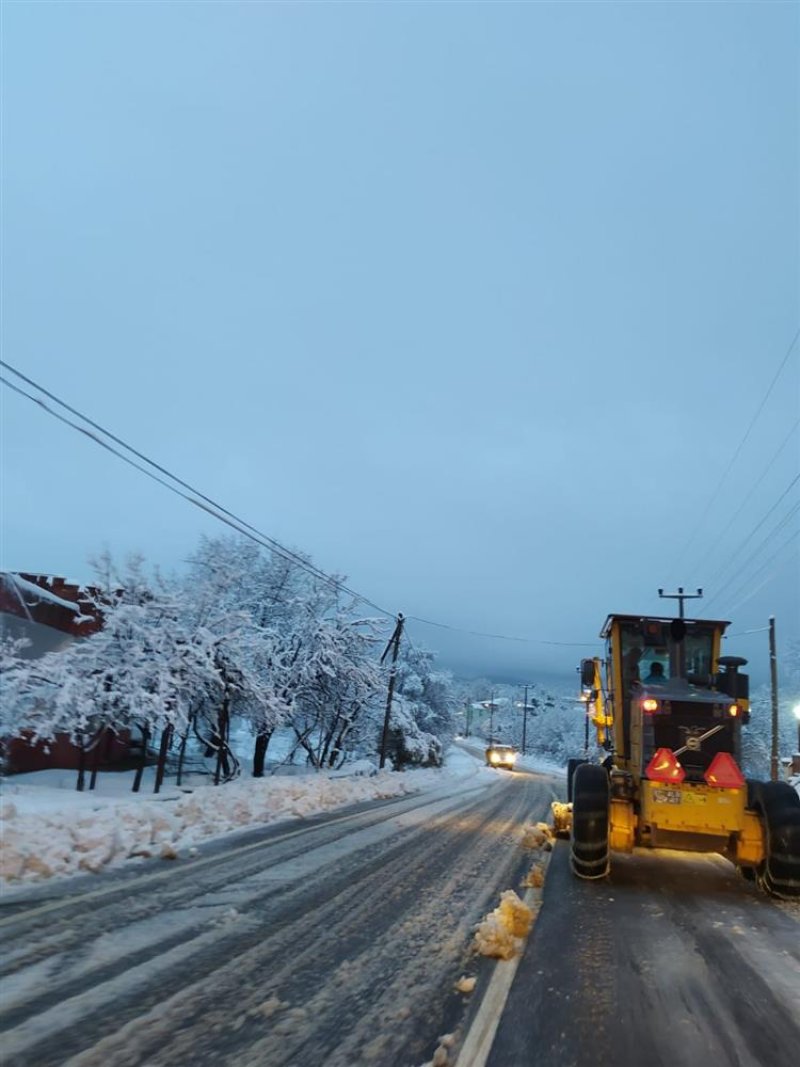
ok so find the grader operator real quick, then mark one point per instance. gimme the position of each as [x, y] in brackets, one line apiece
[669, 710]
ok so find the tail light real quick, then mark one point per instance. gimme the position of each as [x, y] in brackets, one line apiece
[649, 706]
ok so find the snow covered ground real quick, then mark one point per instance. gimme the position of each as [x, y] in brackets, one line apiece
[50, 830]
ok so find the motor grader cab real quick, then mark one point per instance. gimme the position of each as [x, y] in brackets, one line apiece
[668, 709]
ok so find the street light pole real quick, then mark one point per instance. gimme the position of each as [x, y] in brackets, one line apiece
[680, 596]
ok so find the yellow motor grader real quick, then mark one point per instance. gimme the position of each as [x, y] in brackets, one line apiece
[669, 710]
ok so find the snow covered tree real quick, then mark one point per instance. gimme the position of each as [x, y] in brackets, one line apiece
[251, 600]
[143, 670]
[423, 712]
[335, 683]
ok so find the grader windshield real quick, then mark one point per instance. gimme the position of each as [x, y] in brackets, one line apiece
[655, 653]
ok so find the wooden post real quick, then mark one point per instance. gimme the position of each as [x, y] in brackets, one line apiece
[524, 720]
[773, 674]
[394, 645]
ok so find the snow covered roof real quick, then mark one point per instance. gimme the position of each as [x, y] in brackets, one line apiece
[48, 600]
[38, 592]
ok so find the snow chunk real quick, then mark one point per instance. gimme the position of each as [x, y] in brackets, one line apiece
[534, 879]
[538, 836]
[465, 984]
[501, 932]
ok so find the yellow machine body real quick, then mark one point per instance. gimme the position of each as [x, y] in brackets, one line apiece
[698, 709]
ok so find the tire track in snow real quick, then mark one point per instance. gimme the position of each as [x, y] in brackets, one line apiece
[310, 936]
[95, 912]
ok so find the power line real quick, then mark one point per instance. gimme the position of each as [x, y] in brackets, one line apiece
[768, 578]
[222, 514]
[500, 637]
[281, 549]
[698, 569]
[211, 509]
[712, 499]
[775, 529]
[726, 566]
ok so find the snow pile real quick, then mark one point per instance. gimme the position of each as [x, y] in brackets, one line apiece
[501, 932]
[538, 836]
[50, 829]
[441, 1056]
[87, 834]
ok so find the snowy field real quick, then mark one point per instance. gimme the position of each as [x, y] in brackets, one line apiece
[51, 830]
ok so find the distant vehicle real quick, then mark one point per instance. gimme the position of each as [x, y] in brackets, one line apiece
[501, 756]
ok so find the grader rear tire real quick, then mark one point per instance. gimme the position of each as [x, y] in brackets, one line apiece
[779, 805]
[589, 855]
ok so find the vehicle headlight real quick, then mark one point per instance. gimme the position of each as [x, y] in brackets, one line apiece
[494, 757]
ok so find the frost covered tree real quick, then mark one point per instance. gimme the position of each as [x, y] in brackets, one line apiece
[335, 682]
[253, 601]
[423, 711]
[141, 671]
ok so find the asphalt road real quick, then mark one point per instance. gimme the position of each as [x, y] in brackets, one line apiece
[672, 960]
[335, 942]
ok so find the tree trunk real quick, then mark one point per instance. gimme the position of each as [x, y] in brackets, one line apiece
[81, 766]
[260, 754]
[96, 757]
[223, 722]
[182, 754]
[166, 738]
[137, 781]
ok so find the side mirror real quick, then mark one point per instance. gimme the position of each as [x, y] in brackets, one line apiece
[587, 673]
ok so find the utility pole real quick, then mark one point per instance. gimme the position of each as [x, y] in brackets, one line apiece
[773, 675]
[394, 645]
[491, 720]
[680, 596]
[524, 720]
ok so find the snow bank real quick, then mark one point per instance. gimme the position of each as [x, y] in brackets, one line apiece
[49, 829]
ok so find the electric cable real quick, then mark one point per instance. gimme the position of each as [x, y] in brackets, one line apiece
[728, 564]
[233, 523]
[712, 499]
[775, 529]
[746, 500]
[768, 578]
[286, 552]
[217, 511]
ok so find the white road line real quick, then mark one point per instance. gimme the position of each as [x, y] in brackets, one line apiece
[479, 1039]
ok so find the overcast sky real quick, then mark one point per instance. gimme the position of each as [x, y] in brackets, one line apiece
[474, 303]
